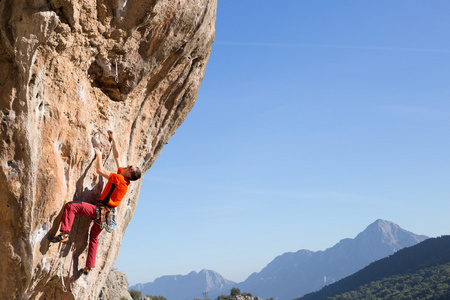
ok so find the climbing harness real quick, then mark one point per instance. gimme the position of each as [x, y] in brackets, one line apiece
[106, 217]
[111, 221]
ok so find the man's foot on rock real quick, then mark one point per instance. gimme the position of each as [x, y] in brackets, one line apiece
[62, 238]
[86, 270]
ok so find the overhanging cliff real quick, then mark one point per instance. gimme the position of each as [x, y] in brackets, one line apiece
[69, 71]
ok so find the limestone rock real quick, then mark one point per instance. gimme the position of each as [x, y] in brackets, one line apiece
[69, 71]
[116, 287]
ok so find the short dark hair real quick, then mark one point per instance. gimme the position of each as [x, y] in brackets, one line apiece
[135, 175]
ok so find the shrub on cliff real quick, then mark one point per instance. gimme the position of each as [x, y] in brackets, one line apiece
[156, 297]
[233, 295]
[235, 292]
[136, 295]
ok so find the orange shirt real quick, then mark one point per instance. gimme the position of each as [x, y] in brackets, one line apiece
[115, 189]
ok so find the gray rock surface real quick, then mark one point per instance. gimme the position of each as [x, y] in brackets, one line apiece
[116, 287]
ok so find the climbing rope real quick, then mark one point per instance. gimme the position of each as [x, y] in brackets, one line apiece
[61, 276]
[71, 260]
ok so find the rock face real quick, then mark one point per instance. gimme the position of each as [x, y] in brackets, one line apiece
[70, 70]
[116, 287]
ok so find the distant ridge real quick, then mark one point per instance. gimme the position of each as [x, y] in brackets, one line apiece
[429, 253]
[186, 287]
[295, 274]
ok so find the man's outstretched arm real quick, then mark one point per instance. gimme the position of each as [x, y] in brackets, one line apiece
[99, 164]
[114, 148]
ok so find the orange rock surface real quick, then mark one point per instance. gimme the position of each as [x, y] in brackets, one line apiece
[69, 71]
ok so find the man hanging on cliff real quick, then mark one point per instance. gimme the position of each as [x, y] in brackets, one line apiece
[114, 191]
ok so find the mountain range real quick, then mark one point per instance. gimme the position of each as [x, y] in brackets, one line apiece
[186, 287]
[295, 274]
[292, 275]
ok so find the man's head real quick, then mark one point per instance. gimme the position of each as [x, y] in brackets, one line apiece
[131, 172]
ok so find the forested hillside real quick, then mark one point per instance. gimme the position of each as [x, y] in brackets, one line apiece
[428, 283]
[420, 270]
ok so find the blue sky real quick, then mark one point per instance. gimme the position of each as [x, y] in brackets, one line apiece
[314, 119]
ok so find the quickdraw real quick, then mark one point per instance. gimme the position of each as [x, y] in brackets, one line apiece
[106, 217]
[117, 71]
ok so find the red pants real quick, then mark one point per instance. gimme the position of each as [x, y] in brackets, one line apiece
[88, 210]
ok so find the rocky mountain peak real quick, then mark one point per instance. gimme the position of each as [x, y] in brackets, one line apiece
[184, 287]
[383, 226]
[390, 233]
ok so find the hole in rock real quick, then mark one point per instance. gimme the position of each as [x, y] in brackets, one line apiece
[103, 75]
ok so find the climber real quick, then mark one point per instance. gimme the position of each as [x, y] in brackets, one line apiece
[112, 194]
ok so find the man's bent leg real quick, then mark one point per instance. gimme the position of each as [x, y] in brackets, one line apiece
[93, 243]
[76, 208]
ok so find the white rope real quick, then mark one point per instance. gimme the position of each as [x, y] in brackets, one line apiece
[117, 72]
[61, 273]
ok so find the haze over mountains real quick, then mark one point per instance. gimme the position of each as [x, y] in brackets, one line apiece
[187, 287]
[293, 274]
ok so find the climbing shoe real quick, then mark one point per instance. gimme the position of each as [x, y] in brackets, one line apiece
[62, 238]
[86, 270]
